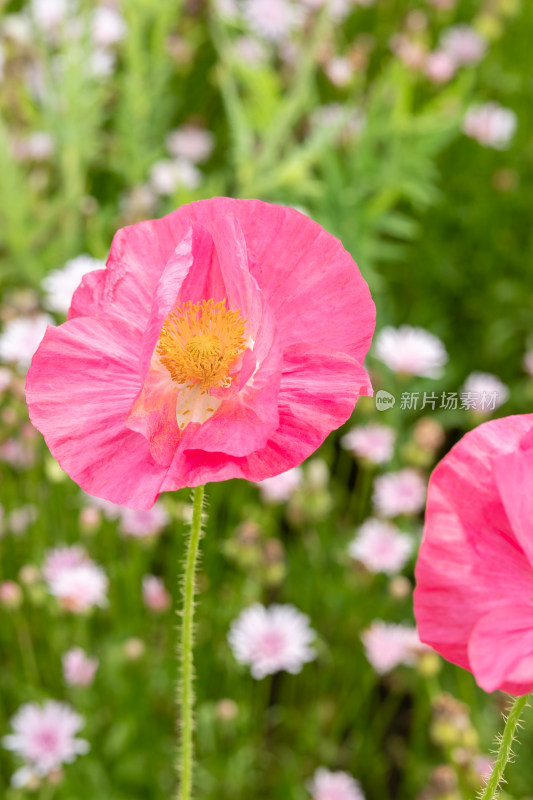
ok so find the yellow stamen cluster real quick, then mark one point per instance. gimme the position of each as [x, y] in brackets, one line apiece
[199, 343]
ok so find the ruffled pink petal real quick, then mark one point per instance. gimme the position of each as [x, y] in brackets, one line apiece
[501, 649]
[80, 387]
[318, 391]
[468, 545]
[513, 473]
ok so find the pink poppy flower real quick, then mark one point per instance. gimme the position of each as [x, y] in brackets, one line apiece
[224, 340]
[475, 567]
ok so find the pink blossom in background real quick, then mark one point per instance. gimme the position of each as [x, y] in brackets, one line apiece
[6, 377]
[528, 363]
[327, 785]
[168, 175]
[44, 736]
[388, 645]
[410, 52]
[155, 594]
[373, 442]
[10, 594]
[19, 519]
[17, 453]
[63, 558]
[249, 49]
[191, 142]
[272, 19]
[272, 639]
[49, 14]
[439, 66]
[487, 391]
[78, 668]
[21, 337]
[38, 146]
[490, 124]
[127, 392]
[402, 492]
[381, 547]
[108, 27]
[279, 488]
[76, 581]
[474, 572]
[463, 44]
[143, 523]
[339, 70]
[411, 351]
[60, 284]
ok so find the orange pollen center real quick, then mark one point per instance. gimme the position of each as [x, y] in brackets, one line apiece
[199, 343]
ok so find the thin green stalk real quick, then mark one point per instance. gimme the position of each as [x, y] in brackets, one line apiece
[504, 750]
[185, 685]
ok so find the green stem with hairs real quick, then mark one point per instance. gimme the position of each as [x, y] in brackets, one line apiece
[504, 750]
[185, 685]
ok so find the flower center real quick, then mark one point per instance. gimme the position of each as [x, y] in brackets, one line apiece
[199, 343]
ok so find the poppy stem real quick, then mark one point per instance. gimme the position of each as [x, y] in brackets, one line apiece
[186, 677]
[504, 750]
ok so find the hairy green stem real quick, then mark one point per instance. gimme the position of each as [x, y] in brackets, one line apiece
[504, 750]
[185, 686]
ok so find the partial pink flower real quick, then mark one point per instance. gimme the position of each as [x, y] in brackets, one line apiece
[184, 361]
[10, 594]
[373, 442]
[272, 639]
[475, 568]
[143, 523]
[279, 488]
[402, 492]
[45, 736]
[328, 785]
[108, 27]
[381, 547]
[490, 124]
[339, 70]
[411, 351]
[155, 594]
[387, 645]
[78, 668]
[463, 44]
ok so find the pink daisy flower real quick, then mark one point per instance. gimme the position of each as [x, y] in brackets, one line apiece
[388, 645]
[328, 785]
[381, 547]
[485, 391]
[490, 124]
[463, 44]
[402, 492]
[411, 351]
[272, 19]
[155, 595]
[475, 568]
[440, 66]
[373, 442]
[78, 668]
[62, 559]
[184, 361]
[45, 736]
[279, 488]
[272, 639]
[143, 523]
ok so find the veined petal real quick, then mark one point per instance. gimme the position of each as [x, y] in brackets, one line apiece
[501, 649]
[80, 388]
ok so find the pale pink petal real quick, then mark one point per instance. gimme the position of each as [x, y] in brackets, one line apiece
[509, 472]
